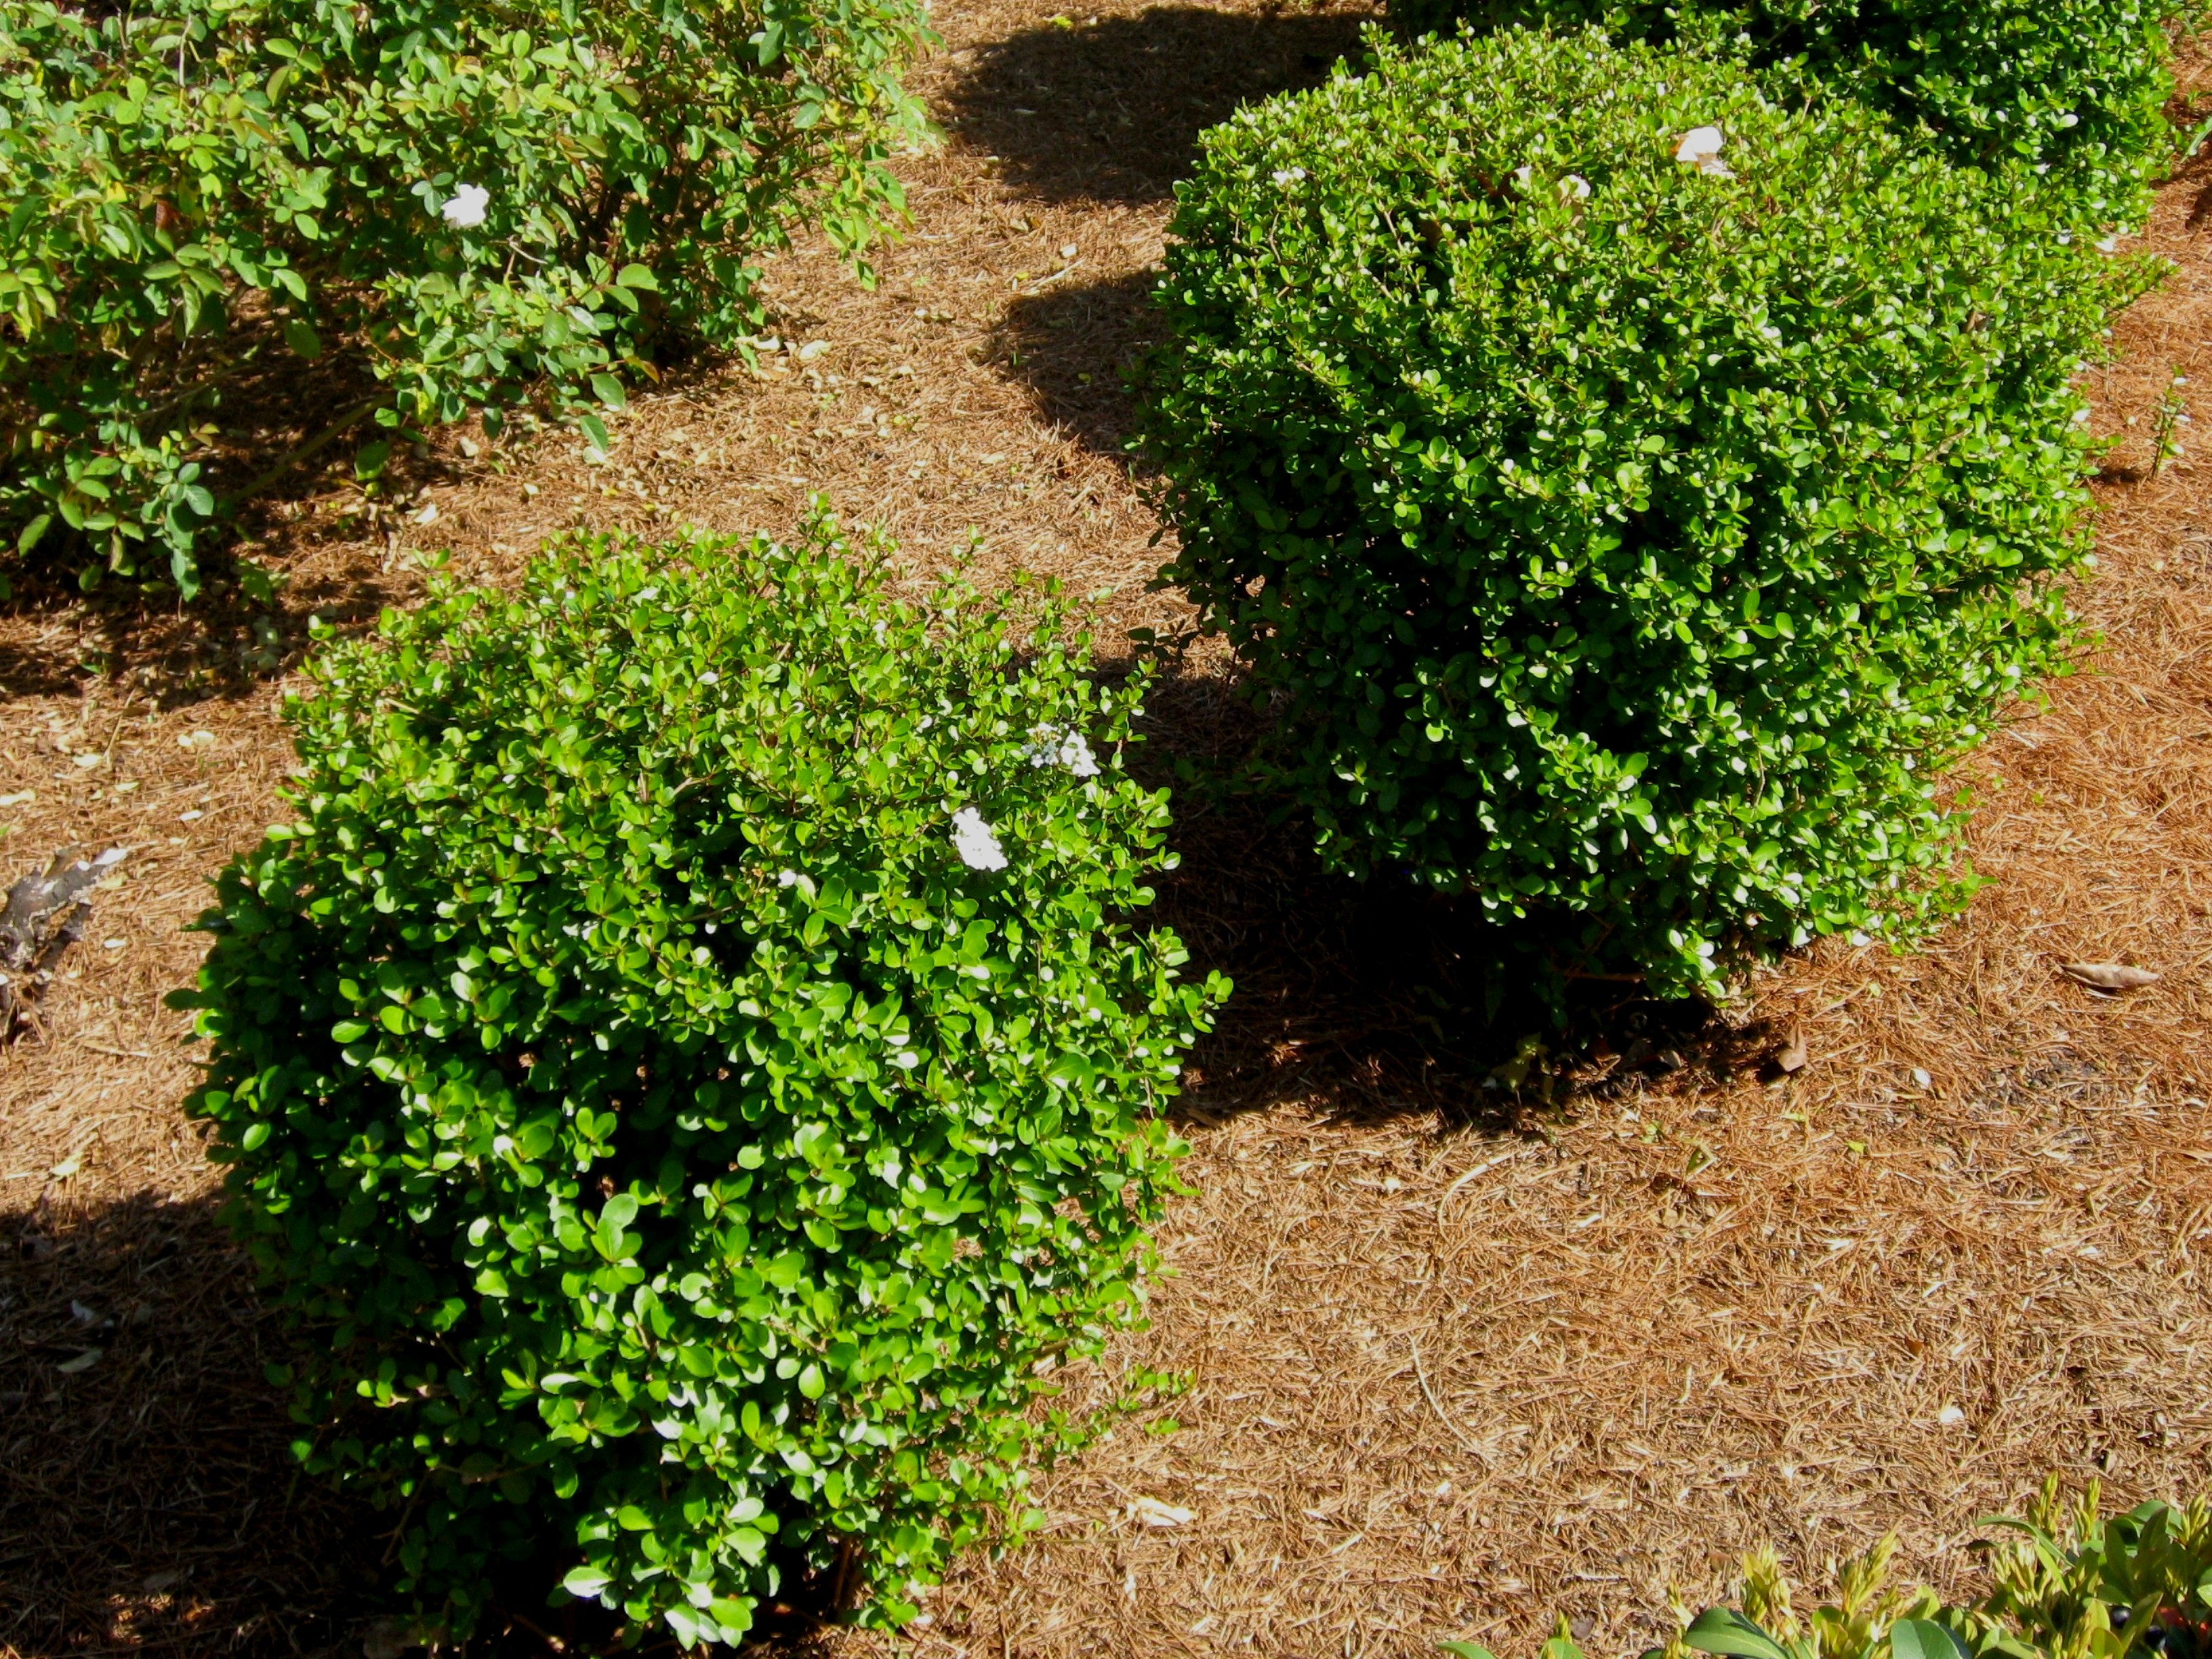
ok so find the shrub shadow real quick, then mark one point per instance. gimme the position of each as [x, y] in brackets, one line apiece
[1379, 998]
[152, 1503]
[1073, 347]
[151, 1500]
[1111, 110]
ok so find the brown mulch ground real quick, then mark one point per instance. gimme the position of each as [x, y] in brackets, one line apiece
[1457, 1360]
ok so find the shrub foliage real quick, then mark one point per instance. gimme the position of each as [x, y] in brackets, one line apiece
[689, 1065]
[1616, 539]
[2073, 89]
[2068, 1582]
[196, 185]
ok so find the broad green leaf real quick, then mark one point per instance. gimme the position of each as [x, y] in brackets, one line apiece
[1923, 1639]
[1726, 1631]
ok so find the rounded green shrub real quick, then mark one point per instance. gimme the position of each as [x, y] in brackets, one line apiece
[2073, 89]
[477, 207]
[690, 1069]
[1628, 495]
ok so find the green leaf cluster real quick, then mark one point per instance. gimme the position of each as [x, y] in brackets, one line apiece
[1629, 545]
[2071, 1584]
[676, 1155]
[2072, 91]
[195, 188]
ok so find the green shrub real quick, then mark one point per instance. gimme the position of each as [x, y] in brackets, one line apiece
[1619, 540]
[688, 1069]
[2073, 88]
[481, 205]
[2071, 1583]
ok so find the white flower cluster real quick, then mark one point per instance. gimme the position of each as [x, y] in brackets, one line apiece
[1701, 148]
[465, 208]
[1288, 176]
[1050, 747]
[972, 839]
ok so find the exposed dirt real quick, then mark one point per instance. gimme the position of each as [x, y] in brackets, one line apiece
[1457, 1361]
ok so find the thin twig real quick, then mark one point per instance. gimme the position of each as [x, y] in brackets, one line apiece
[1421, 1373]
[336, 429]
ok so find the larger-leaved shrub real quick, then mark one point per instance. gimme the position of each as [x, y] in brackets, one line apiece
[2072, 90]
[2067, 1582]
[480, 205]
[689, 1068]
[1629, 494]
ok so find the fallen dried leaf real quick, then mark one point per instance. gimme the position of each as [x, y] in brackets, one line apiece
[2110, 975]
[1150, 1513]
[1794, 1055]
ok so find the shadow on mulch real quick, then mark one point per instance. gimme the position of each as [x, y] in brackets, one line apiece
[1110, 110]
[286, 562]
[1073, 347]
[1379, 998]
[151, 1503]
[223, 645]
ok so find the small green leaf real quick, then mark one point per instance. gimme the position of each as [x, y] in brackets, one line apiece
[609, 391]
[586, 1582]
[303, 340]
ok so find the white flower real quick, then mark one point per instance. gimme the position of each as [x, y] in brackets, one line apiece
[1287, 176]
[465, 208]
[1574, 187]
[1050, 747]
[1522, 175]
[1701, 148]
[972, 839]
[787, 878]
[2108, 245]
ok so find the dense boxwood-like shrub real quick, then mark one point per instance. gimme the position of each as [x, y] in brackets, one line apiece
[484, 204]
[1621, 538]
[2069, 88]
[689, 1065]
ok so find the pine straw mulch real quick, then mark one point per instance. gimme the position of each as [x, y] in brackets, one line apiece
[1459, 1356]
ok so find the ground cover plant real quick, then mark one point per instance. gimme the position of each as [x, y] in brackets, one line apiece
[478, 207]
[2069, 1583]
[1629, 494]
[690, 1065]
[2072, 90]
